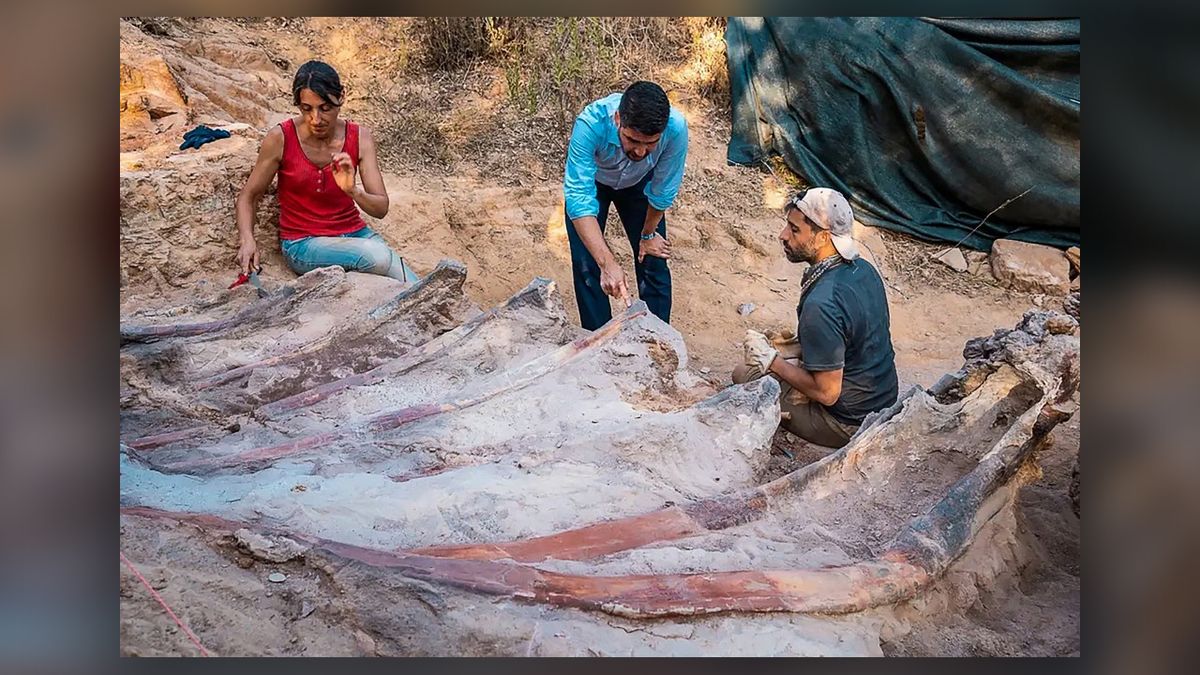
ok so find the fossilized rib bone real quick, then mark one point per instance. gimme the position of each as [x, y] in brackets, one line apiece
[505, 382]
[536, 292]
[449, 274]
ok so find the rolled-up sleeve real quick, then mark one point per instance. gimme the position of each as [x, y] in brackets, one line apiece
[579, 177]
[668, 173]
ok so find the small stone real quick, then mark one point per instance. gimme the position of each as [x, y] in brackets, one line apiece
[1071, 305]
[245, 562]
[272, 548]
[745, 308]
[1039, 299]
[306, 608]
[1061, 325]
[277, 577]
[976, 262]
[1073, 258]
[952, 258]
[705, 371]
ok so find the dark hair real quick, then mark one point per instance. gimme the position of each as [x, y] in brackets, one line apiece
[645, 108]
[791, 206]
[321, 78]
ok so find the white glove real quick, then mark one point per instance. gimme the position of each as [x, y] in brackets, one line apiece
[785, 342]
[758, 351]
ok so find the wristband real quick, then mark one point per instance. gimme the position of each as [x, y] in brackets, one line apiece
[648, 237]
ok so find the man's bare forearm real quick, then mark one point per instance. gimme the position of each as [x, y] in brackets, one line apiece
[804, 381]
[653, 217]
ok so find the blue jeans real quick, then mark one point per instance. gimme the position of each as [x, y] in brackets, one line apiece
[653, 274]
[359, 251]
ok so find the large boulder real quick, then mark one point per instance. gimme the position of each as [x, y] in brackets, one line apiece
[1030, 267]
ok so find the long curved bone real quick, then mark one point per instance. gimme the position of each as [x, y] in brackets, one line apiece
[257, 311]
[920, 552]
[512, 381]
[279, 302]
[449, 273]
[535, 292]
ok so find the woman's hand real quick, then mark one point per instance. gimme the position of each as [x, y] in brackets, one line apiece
[343, 172]
[248, 255]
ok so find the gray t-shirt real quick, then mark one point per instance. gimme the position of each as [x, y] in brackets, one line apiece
[844, 323]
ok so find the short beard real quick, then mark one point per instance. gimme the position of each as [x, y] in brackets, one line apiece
[798, 256]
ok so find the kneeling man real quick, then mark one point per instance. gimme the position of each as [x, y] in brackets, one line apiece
[839, 366]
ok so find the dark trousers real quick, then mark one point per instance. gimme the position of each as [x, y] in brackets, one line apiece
[653, 274]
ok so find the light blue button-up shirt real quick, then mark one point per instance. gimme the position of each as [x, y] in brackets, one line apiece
[595, 156]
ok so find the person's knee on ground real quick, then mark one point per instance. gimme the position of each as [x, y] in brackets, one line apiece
[811, 422]
[372, 258]
[376, 257]
[743, 373]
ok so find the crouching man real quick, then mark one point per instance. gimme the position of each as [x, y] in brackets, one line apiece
[839, 367]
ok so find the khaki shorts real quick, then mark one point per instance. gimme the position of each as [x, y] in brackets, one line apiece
[813, 422]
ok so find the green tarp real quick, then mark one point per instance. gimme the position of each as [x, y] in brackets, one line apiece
[927, 125]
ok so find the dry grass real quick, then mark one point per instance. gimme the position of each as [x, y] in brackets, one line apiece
[514, 87]
[705, 71]
[493, 90]
[912, 260]
[453, 42]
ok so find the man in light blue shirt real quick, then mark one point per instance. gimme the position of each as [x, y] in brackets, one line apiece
[627, 150]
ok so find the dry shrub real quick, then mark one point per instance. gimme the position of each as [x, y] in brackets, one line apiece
[550, 68]
[451, 42]
[558, 64]
[454, 42]
[707, 67]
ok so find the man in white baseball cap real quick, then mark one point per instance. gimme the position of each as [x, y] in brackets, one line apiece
[830, 211]
[845, 366]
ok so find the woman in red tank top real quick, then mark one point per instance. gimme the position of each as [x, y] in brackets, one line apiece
[316, 157]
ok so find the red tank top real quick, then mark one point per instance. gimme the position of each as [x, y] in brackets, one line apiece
[310, 202]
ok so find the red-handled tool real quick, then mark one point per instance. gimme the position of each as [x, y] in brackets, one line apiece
[253, 279]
